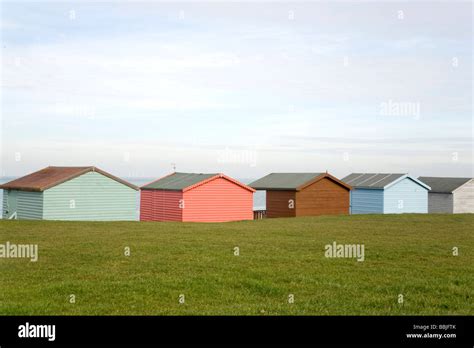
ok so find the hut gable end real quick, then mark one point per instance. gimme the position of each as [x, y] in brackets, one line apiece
[196, 197]
[463, 200]
[304, 194]
[322, 197]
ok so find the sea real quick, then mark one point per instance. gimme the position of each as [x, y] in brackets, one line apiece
[258, 197]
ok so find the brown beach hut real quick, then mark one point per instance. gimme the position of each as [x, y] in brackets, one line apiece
[303, 194]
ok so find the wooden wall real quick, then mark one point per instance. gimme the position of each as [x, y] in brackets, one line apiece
[278, 204]
[464, 198]
[160, 205]
[218, 200]
[27, 205]
[440, 203]
[366, 201]
[324, 197]
[405, 196]
[96, 197]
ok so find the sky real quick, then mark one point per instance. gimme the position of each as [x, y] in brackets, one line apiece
[141, 89]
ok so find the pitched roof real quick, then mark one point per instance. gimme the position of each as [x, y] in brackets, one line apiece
[378, 181]
[52, 176]
[443, 185]
[186, 181]
[371, 180]
[291, 181]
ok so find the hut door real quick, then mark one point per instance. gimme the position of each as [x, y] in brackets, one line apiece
[12, 206]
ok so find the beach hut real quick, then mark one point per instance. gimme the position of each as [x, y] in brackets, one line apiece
[303, 194]
[69, 193]
[197, 198]
[450, 195]
[387, 194]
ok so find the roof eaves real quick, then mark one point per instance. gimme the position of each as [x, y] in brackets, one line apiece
[310, 182]
[20, 188]
[369, 188]
[81, 171]
[70, 177]
[262, 188]
[322, 176]
[144, 187]
[216, 177]
[409, 177]
[113, 177]
[202, 182]
[457, 188]
[395, 181]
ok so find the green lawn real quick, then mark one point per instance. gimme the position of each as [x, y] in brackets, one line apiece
[404, 254]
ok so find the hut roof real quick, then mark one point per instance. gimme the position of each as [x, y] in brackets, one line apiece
[291, 181]
[186, 181]
[52, 176]
[443, 185]
[377, 180]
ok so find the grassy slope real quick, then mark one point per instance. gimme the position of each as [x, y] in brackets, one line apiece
[407, 254]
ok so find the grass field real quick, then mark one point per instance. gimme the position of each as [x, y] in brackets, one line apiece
[404, 254]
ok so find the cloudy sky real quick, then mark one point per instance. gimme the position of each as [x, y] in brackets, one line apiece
[240, 88]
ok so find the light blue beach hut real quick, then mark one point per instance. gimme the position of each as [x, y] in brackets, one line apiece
[376, 193]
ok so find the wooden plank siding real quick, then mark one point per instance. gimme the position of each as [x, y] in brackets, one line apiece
[218, 200]
[440, 203]
[406, 196]
[28, 205]
[160, 205]
[96, 197]
[324, 197]
[464, 198]
[366, 201]
[4, 204]
[278, 204]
